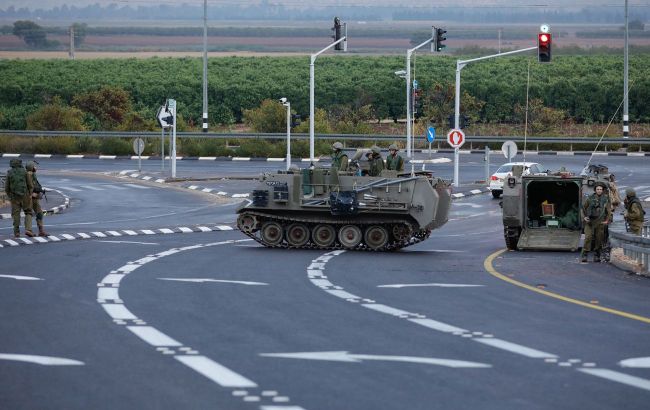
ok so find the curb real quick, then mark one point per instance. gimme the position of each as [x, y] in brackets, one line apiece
[55, 210]
[625, 266]
[470, 193]
[109, 234]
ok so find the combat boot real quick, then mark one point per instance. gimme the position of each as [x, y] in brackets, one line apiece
[16, 234]
[597, 257]
[41, 232]
[583, 257]
[30, 234]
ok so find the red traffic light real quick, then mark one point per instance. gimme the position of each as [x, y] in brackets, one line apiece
[544, 38]
[544, 47]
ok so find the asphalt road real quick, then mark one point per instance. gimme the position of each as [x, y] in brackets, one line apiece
[213, 320]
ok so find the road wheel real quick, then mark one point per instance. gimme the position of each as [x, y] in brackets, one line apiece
[350, 236]
[271, 233]
[511, 236]
[247, 223]
[323, 235]
[401, 232]
[376, 237]
[297, 235]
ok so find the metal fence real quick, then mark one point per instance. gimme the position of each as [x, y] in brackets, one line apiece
[634, 247]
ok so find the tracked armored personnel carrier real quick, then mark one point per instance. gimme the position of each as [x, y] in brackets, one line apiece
[323, 209]
[542, 212]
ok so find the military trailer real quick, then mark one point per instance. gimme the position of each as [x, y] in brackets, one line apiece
[542, 212]
[324, 209]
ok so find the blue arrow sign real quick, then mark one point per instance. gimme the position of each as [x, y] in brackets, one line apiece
[431, 134]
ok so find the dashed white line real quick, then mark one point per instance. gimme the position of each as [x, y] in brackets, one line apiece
[514, 348]
[117, 311]
[153, 336]
[108, 293]
[618, 377]
[215, 372]
[439, 326]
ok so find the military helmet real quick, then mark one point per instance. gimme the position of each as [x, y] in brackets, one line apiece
[31, 165]
[600, 184]
[375, 149]
[337, 145]
[15, 162]
[392, 146]
[630, 192]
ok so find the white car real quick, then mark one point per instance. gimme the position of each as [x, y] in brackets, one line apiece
[505, 170]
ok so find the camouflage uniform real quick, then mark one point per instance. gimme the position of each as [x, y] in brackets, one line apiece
[36, 196]
[376, 162]
[20, 196]
[596, 214]
[394, 161]
[339, 158]
[633, 212]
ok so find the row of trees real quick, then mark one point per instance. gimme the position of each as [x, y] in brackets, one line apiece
[352, 90]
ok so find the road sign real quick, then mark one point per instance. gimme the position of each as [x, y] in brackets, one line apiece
[431, 134]
[138, 146]
[509, 149]
[415, 84]
[456, 138]
[165, 118]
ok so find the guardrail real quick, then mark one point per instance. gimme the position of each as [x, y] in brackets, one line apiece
[634, 247]
[360, 137]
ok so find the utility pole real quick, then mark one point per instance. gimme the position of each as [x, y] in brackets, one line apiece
[205, 65]
[71, 52]
[626, 128]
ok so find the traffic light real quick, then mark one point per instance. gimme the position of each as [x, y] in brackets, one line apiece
[295, 120]
[337, 33]
[417, 103]
[544, 47]
[439, 38]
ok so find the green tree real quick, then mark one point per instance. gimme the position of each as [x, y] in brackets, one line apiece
[56, 117]
[109, 105]
[321, 123]
[31, 33]
[271, 116]
[540, 118]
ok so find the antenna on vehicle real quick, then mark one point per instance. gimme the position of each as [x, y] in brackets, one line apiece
[526, 120]
[584, 170]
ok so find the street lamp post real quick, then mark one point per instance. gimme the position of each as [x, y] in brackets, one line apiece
[287, 104]
[205, 65]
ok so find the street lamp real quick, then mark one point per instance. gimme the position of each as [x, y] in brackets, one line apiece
[287, 104]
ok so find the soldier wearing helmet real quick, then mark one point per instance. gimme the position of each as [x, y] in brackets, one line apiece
[37, 194]
[339, 158]
[376, 161]
[596, 214]
[394, 161]
[633, 212]
[19, 190]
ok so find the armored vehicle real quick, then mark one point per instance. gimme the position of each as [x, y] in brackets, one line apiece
[542, 212]
[325, 209]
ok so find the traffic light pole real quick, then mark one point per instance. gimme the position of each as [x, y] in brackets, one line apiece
[626, 129]
[409, 120]
[288, 105]
[460, 64]
[311, 91]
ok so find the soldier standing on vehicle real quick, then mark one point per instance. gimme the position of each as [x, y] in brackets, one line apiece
[37, 194]
[339, 158]
[394, 161]
[19, 191]
[596, 213]
[376, 162]
[633, 212]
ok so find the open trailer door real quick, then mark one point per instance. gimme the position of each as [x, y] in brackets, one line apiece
[551, 239]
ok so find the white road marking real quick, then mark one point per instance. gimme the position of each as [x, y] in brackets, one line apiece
[641, 187]
[114, 233]
[138, 186]
[113, 278]
[99, 234]
[108, 293]
[215, 372]
[92, 188]
[638, 362]
[40, 239]
[281, 407]
[148, 232]
[115, 187]
[619, 377]
[133, 242]
[467, 204]
[343, 356]
[68, 237]
[12, 242]
[204, 229]
[514, 348]
[203, 280]
[153, 336]
[185, 230]
[440, 285]
[67, 188]
[166, 230]
[387, 309]
[18, 277]
[42, 360]
[83, 235]
[117, 311]
[129, 232]
[439, 326]
[224, 227]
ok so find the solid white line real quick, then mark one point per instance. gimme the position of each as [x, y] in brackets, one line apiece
[619, 377]
[133, 242]
[514, 348]
[138, 186]
[42, 360]
[386, 309]
[215, 372]
[153, 336]
[439, 326]
[203, 280]
[117, 311]
[636, 154]
[18, 277]
[108, 293]
[440, 285]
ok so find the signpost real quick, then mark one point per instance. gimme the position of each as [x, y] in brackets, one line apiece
[456, 138]
[138, 147]
[509, 149]
[431, 135]
[171, 107]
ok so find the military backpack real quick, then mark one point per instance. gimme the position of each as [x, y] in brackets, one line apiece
[17, 180]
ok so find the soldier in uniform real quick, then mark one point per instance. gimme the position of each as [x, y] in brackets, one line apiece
[37, 194]
[596, 213]
[376, 162]
[394, 161]
[615, 201]
[339, 158]
[19, 191]
[633, 212]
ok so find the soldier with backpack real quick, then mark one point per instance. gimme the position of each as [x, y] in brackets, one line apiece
[19, 190]
[37, 194]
